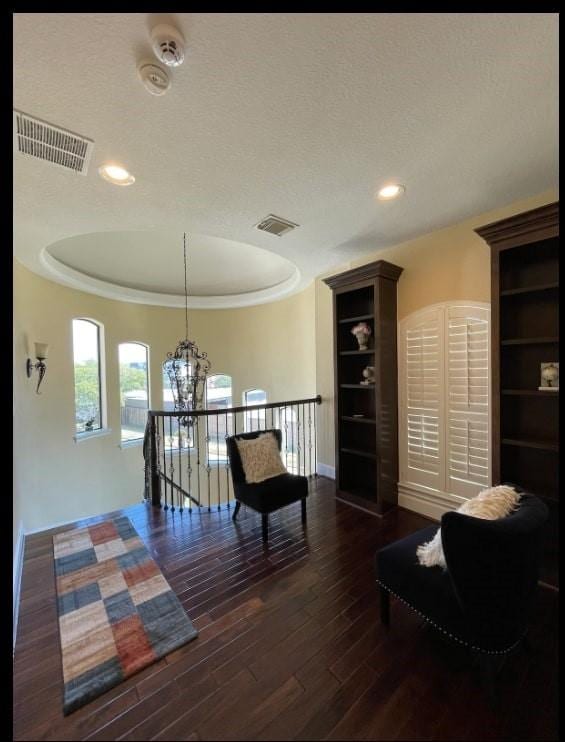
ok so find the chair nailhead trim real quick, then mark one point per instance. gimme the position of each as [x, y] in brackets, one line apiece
[445, 631]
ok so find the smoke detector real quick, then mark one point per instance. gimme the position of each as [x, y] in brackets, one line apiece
[168, 45]
[154, 79]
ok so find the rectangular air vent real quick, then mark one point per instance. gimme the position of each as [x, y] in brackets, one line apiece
[275, 225]
[47, 142]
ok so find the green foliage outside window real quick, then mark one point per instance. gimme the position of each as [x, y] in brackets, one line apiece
[131, 379]
[87, 389]
[87, 394]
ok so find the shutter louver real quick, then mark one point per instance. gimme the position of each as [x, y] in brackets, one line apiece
[421, 391]
[444, 379]
[467, 371]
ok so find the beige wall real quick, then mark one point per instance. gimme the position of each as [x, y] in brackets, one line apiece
[452, 263]
[55, 479]
[284, 347]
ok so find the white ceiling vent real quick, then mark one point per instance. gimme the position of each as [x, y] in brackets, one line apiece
[275, 225]
[47, 142]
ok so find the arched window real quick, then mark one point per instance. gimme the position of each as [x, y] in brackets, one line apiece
[218, 397]
[134, 389]
[254, 419]
[88, 374]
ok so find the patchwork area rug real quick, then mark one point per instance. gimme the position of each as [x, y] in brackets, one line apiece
[117, 613]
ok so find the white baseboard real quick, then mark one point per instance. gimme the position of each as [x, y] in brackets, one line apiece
[18, 565]
[426, 501]
[62, 523]
[325, 471]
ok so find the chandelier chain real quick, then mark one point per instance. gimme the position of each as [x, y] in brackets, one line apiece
[185, 292]
[187, 367]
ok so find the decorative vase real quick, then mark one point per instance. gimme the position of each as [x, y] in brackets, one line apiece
[368, 375]
[549, 376]
[362, 332]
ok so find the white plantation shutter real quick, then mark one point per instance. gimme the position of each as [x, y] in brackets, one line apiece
[421, 399]
[444, 437]
[467, 375]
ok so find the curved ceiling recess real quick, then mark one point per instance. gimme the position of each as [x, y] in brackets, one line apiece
[147, 268]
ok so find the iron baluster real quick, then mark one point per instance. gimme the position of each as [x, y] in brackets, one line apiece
[188, 466]
[171, 464]
[227, 464]
[197, 438]
[293, 455]
[310, 438]
[285, 439]
[315, 441]
[304, 440]
[165, 464]
[208, 467]
[181, 495]
[298, 446]
[218, 456]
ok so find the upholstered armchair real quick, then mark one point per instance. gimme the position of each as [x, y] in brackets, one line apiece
[485, 597]
[270, 495]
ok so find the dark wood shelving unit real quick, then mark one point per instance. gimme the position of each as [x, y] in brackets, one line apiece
[363, 454]
[531, 341]
[530, 392]
[358, 318]
[366, 420]
[542, 445]
[525, 333]
[530, 289]
[366, 447]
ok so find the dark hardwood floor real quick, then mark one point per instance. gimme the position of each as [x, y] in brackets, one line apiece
[290, 644]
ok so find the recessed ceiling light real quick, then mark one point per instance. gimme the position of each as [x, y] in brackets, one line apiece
[116, 174]
[390, 191]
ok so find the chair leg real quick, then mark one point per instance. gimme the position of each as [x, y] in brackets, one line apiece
[236, 511]
[265, 525]
[488, 666]
[385, 606]
[304, 510]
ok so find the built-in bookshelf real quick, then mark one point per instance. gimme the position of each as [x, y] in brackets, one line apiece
[525, 334]
[366, 413]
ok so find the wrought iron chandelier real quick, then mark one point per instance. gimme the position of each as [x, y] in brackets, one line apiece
[187, 368]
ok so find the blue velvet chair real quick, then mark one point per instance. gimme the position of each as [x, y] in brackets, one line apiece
[270, 495]
[485, 597]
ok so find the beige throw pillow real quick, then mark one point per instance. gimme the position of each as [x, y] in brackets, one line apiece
[490, 504]
[260, 458]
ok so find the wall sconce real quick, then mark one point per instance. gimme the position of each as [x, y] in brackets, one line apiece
[40, 367]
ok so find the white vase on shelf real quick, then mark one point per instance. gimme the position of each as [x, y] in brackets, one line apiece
[362, 332]
[549, 377]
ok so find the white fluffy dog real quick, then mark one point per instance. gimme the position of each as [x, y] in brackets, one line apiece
[490, 504]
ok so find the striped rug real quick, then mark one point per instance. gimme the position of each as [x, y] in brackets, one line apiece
[117, 613]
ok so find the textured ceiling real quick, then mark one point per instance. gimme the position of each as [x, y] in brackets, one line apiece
[300, 115]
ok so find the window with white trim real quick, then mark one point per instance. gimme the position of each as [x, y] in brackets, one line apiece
[287, 422]
[444, 428]
[218, 427]
[134, 390]
[88, 375]
[254, 419]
